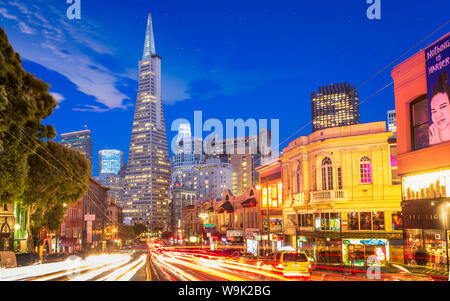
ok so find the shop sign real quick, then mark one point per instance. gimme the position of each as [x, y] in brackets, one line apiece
[239, 233]
[210, 229]
[344, 226]
[89, 217]
[89, 232]
[335, 224]
[209, 225]
[424, 215]
[437, 61]
[257, 237]
[276, 225]
[431, 185]
[370, 242]
[250, 233]
[252, 246]
[302, 238]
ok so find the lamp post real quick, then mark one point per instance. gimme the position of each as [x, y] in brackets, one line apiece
[268, 232]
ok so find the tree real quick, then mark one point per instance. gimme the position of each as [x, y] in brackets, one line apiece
[58, 177]
[126, 233]
[139, 229]
[24, 103]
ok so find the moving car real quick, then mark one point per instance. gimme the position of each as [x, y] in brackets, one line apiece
[290, 264]
[401, 273]
[248, 258]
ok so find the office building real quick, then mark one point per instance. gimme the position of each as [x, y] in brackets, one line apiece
[334, 105]
[391, 123]
[147, 176]
[80, 140]
[423, 156]
[110, 161]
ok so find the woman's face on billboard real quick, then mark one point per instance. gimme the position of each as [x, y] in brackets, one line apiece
[440, 111]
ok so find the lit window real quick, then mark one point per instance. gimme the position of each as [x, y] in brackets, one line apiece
[327, 174]
[365, 171]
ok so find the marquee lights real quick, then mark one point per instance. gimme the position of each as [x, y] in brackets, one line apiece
[427, 186]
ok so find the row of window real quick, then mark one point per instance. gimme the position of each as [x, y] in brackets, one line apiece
[355, 221]
[327, 175]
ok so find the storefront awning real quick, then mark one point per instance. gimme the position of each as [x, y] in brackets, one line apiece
[69, 242]
[225, 207]
[249, 203]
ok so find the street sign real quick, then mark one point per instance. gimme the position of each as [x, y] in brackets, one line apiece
[89, 217]
[237, 233]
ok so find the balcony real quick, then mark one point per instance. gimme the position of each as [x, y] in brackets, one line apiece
[299, 199]
[328, 196]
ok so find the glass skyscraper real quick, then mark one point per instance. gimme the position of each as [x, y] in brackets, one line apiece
[147, 175]
[110, 161]
[80, 140]
[334, 106]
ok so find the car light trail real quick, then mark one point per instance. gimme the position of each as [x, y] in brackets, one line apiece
[92, 274]
[205, 270]
[129, 268]
[180, 273]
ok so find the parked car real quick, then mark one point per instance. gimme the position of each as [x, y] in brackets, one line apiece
[290, 264]
[248, 258]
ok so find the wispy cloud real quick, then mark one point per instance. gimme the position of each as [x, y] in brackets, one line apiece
[4, 13]
[60, 45]
[58, 97]
[26, 29]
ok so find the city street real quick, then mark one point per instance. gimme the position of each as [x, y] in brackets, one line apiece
[158, 263]
[252, 142]
[115, 267]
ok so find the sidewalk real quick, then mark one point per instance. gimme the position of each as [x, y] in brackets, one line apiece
[361, 271]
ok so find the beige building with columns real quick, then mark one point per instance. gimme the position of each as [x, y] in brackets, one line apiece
[342, 195]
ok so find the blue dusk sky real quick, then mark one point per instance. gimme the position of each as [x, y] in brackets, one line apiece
[230, 59]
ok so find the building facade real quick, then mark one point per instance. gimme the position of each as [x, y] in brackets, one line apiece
[391, 123]
[342, 198]
[80, 141]
[244, 154]
[115, 184]
[271, 195]
[114, 221]
[7, 223]
[83, 227]
[422, 104]
[147, 176]
[334, 105]
[237, 221]
[181, 197]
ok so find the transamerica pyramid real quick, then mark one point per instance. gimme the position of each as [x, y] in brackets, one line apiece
[147, 175]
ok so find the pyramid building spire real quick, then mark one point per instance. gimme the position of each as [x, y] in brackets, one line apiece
[147, 175]
[149, 45]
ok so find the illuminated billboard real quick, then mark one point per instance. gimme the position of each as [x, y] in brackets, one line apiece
[437, 60]
[272, 196]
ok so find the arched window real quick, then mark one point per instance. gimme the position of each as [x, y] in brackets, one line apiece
[298, 179]
[327, 174]
[365, 170]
